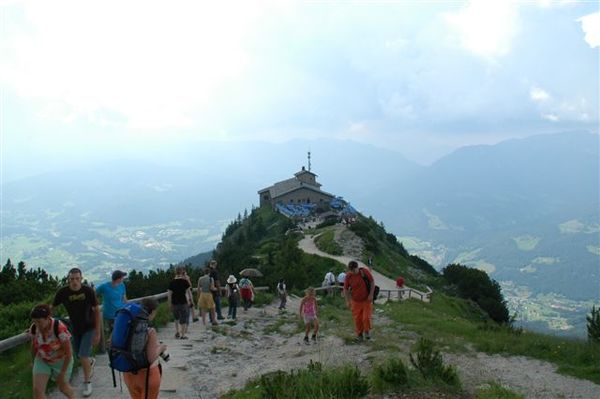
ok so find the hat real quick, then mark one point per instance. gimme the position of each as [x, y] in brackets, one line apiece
[117, 274]
[40, 312]
[231, 279]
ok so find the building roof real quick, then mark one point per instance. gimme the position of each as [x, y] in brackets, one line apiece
[304, 171]
[286, 186]
[307, 187]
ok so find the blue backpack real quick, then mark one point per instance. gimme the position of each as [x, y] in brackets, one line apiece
[127, 351]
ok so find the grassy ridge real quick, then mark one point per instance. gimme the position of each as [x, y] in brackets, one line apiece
[455, 323]
[326, 243]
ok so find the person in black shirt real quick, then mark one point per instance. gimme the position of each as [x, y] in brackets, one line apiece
[84, 314]
[216, 293]
[179, 302]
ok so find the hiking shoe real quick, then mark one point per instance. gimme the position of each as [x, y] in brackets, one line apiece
[87, 389]
[306, 340]
[358, 339]
[367, 336]
[214, 323]
[183, 337]
[314, 337]
[177, 335]
[195, 319]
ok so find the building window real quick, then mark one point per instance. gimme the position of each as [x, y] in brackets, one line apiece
[291, 201]
[266, 197]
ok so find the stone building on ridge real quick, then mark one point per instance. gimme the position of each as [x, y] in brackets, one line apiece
[303, 188]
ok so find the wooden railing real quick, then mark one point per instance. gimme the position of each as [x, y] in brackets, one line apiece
[400, 293]
[24, 337]
[406, 293]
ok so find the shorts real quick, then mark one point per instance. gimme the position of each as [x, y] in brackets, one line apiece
[40, 366]
[181, 313]
[109, 324]
[206, 301]
[309, 319]
[82, 343]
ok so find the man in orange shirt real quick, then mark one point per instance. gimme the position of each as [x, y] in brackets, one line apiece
[359, 287]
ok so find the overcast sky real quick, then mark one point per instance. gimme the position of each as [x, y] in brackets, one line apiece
[97, 80]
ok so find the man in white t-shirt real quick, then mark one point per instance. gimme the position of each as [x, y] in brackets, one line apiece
[330, 281]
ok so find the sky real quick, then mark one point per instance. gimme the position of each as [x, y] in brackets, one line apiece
[86, 81]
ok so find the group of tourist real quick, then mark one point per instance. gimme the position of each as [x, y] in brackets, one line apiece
[54, 345]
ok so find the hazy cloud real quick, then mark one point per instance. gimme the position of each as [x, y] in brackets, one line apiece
[591, 27]
[422, 78]
[485, 27]
[538, 95]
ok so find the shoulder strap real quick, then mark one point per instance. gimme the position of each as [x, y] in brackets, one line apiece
[55, 324]
[365, 279]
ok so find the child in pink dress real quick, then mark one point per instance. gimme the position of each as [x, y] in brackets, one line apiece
[309, 313]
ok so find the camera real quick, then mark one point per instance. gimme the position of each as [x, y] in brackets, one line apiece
[165, 356]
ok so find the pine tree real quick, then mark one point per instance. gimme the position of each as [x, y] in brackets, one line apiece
[593, 325]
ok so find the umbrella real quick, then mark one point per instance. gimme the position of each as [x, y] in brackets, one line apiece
[250, 272]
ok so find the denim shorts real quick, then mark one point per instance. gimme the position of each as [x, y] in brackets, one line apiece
[181, 313]
[52, 369]
[82, 343]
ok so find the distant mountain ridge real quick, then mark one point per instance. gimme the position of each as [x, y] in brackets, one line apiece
[526, 210]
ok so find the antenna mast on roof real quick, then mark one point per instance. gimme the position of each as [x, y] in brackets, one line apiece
[309, 160]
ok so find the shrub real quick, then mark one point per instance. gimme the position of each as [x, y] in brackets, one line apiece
[429, 363]
[314, 382]
[476, 285]
[389, 375]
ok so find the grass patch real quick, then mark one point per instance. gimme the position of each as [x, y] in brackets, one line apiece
[314, 382]
[496, 391]
[15, 370]
[326, 243]
[262, 299]
[455, 323]
[274, 327]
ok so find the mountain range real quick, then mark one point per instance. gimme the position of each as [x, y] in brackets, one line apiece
[526, 211]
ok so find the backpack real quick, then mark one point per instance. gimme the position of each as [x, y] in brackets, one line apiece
[127, 351]
[368, 284]
[233, 290]
[244, 283]
[280, 289]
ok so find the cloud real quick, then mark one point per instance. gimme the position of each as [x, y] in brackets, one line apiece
[591, 26]
[538, 95]
[485, 28]
[551, 117]
[401, 74]
[153, 63]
